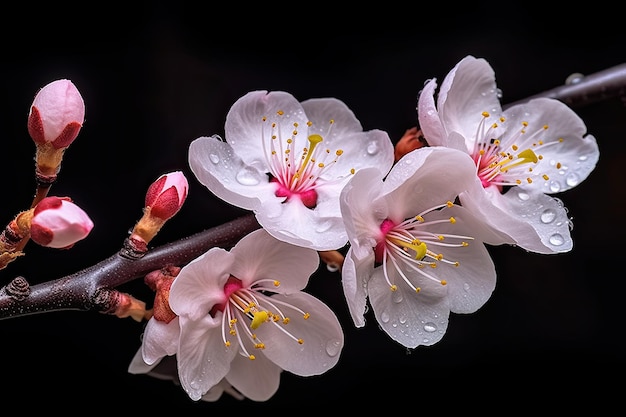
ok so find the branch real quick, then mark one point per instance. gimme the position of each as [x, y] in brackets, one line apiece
[92, 288]
[599, 86]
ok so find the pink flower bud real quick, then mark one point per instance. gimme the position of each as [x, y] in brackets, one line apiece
[56, 115]
[59, 223]
[167, 194]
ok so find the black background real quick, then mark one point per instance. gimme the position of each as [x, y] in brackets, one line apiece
[156, 77]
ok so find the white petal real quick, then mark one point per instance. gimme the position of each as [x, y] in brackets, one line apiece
[471, 283]
[244, 123]
[321, 334]
[261, 256]
[218, 166]
[301, 226]
[203, 359]
[320, 111]
[411, 319]
[138, 365]
[428, 116]
[199, 285]
[160, 339]
[257, 379]
[354, 277]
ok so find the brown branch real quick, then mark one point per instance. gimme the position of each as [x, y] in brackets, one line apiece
[91, 288]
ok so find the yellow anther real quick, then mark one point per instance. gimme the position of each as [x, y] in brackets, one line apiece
[495, 125]
[295, 124]
[286, 320]
[232, 332]
[449, 203]
[259, 317]
[352, 171]
[558, 165]
[502, 119]
[560, 139]
[274, 125]
[280, 112]
[452, 220]
[514, 147]
[525, 124]
[276, 283]
[332, 121]
[295, 132]
[227, 343]
[300, 341]
[419, 218]
[518, 182]
[309, 123]
[440, 237]
[529, 180]
[482, 152]
[464, 244]
[339, 152]
[456, 263]
[439, 257]
[264, 118]
[545, 127]
[393, 288]
[485, 114]
[418, 289]
[260, 345]
[444, 282]
[306, 316]
[545, 177]
[321, 165]
[252, 357]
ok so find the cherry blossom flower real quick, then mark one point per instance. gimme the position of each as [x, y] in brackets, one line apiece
[413, 253]
[288, 161]
[59, 223]
[523, 155]
[243, 317]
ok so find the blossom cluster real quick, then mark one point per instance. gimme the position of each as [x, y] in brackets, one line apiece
[410, 224]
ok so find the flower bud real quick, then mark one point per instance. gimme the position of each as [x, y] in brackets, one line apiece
[56, 115]
[59, 223]
[167, 194]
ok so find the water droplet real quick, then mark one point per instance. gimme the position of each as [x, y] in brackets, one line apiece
[394, 324]
[214, 158]
[408, 161]
[572, 179]
[333, 347]
[466, 287]
[384, 317]
[402, 319]
[246, 177]
[372, 148]
[522, 195]
[556, 239]
[582, 158]
[499, 93]
[331, 267]
[555, 186]
[548, 216]
[574, 78]
[396, 296]
[430, 327]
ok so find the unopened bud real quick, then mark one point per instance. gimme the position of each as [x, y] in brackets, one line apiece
[56, 115]
[59, 223]
[167, 194]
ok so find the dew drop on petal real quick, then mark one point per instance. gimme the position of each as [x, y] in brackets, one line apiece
[430, 327]
[556, 239]
[214, 158]
[523, 195]
[247, 177]
[396, 296]
[333, 347]
[372, 148]
[402, 319]
[548, 216]
[331, 267]
[408, 161]
[582, 158]
[466, 287]
[555, 186]
[572, 179]
[384, 317]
